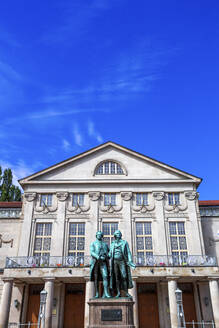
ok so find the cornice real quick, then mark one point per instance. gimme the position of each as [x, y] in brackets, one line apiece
[109, 181]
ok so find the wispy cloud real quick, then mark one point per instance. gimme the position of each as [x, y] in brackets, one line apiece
[66, 144]
[8, 38]
[11, 80]
[19, 169]
[77, 135]
[129, 74]
[92, 132]
[49, 113]
[75, 20]
[8, 72]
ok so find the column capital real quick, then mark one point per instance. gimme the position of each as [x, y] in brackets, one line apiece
[87, 278]
[51, 279]
[163, 282]
[7, 279]
[213, 278]
[134, 278]
[59, 283]
[174, 278]
[20, 284]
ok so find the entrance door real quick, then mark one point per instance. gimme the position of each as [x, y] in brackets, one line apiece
[74, 306]
[34, 303]
[148, 306]
[188, 302]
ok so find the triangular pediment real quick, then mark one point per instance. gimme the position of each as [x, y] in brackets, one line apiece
[136, 167]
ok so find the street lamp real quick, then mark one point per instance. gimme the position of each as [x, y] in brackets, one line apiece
[180, 312]
[43, 296]
[178, 293]
[41, 317]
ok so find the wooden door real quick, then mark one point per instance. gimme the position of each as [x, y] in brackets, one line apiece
[34, 303]
[74, 306]
[188, 302]
[148, 306]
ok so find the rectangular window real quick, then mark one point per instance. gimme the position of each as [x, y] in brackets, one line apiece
[78, 199]
[42, 242]
[46, 199]
[144, 242]
[173, 198]
[108, 231]
[76, 242]
[141, 199]
[178, 242]
[109, 199]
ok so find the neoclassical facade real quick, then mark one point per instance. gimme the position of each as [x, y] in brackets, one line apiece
[110, 187]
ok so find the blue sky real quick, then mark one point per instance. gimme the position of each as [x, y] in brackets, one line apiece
[145, 74]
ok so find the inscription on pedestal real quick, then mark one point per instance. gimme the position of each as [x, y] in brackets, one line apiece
[111, 315]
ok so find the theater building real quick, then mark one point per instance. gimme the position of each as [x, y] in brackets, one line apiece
[173, 239]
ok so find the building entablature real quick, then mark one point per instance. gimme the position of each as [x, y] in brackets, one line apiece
[33, 275]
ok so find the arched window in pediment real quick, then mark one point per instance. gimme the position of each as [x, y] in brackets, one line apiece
[109, 167]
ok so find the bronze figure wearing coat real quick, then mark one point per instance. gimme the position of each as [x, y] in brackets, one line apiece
[121, 261]
[99, 264]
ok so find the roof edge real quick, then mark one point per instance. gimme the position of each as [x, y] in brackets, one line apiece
[196, 179]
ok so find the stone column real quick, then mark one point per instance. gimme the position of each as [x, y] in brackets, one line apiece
[25, 304]
[161, 304]
[214, 291]
[197, 301]
[49, 287]
[17, 294]
[89, 293]
[134, 294]
[172, 286]
[62, 306]
[5, 302]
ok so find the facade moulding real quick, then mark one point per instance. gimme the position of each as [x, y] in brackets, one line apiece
[62, 196]
[45, 209]
[108, 181]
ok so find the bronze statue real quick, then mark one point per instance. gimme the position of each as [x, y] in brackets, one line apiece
[99, 264]
[121, 261]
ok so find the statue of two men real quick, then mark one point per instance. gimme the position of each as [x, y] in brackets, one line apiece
[118, 276]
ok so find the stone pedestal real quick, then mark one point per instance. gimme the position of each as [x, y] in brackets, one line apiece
[111, 313]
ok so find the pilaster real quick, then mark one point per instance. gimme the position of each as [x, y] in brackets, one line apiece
[58, 229]
[49, 287]
[214, 292]
[172, 286]
[5, 302]
[29, 199]
[89, 293]
[134, 294]
[158, 228]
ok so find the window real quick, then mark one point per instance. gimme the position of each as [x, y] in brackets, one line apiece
[109, 167]
[78, 199]
[142, 199]
[76, 242]
[173, 198]
[178, 242]
[42, 242]
[46, 199]
[109, 199]
[144, 241]
[108, 231]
